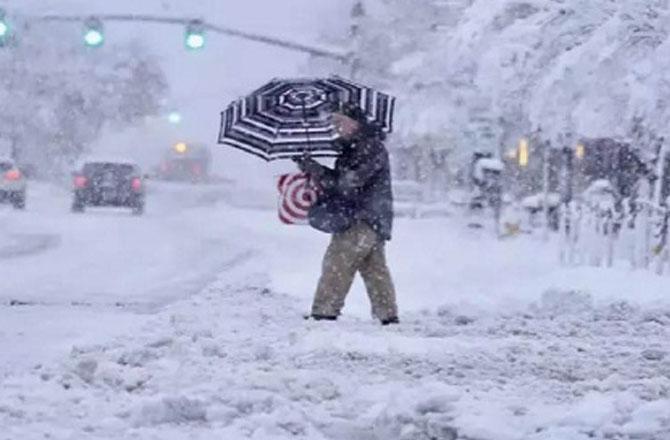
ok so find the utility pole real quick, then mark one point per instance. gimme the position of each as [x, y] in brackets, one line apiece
[546, 150]
[569, 173]
[357, 14]
[660, 170]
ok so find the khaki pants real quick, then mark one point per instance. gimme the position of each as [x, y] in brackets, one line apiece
[359, 249]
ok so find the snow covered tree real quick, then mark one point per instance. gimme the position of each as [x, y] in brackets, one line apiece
[57, 95]
[484, 73]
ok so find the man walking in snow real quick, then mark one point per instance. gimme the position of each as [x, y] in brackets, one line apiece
[362, 176]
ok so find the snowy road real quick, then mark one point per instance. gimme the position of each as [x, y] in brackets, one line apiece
[88, 269]
[106, 256]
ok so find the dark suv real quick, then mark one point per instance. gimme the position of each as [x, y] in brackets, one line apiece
[108, 184]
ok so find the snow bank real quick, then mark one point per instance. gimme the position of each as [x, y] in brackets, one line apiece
[238, 361]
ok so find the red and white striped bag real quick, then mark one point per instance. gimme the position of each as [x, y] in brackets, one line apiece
[296, 196]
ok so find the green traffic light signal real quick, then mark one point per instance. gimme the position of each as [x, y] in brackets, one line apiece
[4, 28]
[93, 33]
[174, 117]
[93, 38]
[194, 37]
[195, 41]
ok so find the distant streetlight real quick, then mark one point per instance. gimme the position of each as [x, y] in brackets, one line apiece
[174, 117]
[523, 152]
[580, 151]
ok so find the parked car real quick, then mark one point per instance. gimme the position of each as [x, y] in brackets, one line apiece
[12, 184]
[108, 183]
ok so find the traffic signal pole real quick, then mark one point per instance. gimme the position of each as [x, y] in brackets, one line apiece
[207, 26]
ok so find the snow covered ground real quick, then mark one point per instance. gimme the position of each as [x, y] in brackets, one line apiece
[186, 323]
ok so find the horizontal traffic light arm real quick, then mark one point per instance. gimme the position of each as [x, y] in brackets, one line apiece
[273, 41]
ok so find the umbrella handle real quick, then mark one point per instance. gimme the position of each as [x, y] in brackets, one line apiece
[307, 153]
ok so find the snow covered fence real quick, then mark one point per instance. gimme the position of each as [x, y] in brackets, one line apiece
[598, 233]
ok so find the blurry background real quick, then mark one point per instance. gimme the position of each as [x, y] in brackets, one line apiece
[115, 100]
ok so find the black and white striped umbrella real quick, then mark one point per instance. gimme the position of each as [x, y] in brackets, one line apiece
[288, 118]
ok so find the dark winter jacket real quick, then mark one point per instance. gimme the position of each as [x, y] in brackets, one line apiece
[362, 174]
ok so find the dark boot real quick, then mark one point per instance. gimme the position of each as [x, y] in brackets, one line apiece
[393, 320]
[321, 317]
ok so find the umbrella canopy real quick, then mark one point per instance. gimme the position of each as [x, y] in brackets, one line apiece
[290, 117]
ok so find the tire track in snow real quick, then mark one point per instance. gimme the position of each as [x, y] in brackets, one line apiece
[22, 245]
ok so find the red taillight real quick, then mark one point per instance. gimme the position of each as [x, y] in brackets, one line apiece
[80, 182]
[13, 175]
[136, 183]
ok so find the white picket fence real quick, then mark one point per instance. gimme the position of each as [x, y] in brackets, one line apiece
[595, 233]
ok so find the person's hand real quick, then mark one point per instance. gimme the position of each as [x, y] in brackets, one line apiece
[300, 162]
[306, 164]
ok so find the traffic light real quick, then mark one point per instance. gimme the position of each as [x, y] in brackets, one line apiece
[194, 37]
[4, 28]
[94, 35]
